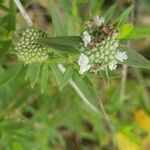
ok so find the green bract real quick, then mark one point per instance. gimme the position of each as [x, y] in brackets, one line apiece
[29, 50]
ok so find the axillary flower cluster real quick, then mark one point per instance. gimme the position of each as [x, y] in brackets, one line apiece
[29, 50]
[100, 47]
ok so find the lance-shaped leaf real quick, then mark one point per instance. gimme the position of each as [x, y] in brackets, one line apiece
[124, 16]
[33, 73]
[135, 59]
[139, 32]
[86, 88]
[68, 44]
[66, 76]
[44, 77]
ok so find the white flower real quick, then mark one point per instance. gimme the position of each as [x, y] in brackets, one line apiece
[112, 65]
[86, 38]
[121, 56]
[83, 62]
[98, 21]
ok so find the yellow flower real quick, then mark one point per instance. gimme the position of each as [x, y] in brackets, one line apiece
[142, 119]
[124, 143]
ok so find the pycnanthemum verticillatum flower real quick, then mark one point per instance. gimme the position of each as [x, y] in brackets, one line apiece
[29, 50]
[100, 47]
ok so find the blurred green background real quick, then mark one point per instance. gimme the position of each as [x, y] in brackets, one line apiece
[57, 118]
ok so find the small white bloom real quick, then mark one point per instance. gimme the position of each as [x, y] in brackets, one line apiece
[98, 21]
[86, 38]
[121, 56]
[84, 68]
[112, 65]
[83, 62]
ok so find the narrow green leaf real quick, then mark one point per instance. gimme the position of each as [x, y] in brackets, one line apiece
[64, 40]
[57, 73]
[63, 44]
[56, 20]
[125, 30]
[111, 75]
[33, 73]
[110, 12]
[8, 76]
[11, 17]
[4, 8]
[87, 88]
[44, 77]
[124, 16]
[28, 3]
[139, 32]
[135, 59]
[66, 76]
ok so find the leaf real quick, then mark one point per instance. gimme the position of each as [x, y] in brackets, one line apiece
[139, 32]
[33, 73]
[57, 73]
[8, 76]
[11, 18]
[111, 75]
[110, 12]
[64, 44]
[87, 88]
[135, 59]
[44, 77]
[28, 3]
[57, 23]
[4, 8]
[66, 76]
[65, 40]
[124, 16]
[125, 30]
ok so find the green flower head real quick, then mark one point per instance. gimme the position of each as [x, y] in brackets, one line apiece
[29, 50]
[100, 47]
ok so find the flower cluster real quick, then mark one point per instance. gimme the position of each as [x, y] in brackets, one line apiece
[29, 50]
[100, 47]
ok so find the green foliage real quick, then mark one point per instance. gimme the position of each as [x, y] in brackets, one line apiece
[38, 107]
[124, 16]
[139, 32]
[66, 76]
[62, 44]
[44, 77]
[135, 59]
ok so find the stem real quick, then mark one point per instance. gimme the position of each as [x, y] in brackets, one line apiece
[23, 12]
[123, 84]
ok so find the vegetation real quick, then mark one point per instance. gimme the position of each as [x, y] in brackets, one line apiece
[56, 92]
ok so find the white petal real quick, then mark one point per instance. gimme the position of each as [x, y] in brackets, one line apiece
[86, 38]
[121, 56]
[112, 66]
[99, 21]
[83, 60]
[84, 68]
